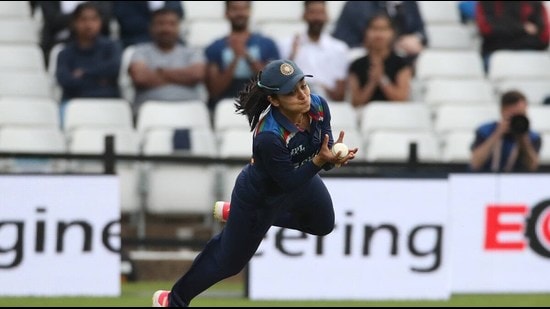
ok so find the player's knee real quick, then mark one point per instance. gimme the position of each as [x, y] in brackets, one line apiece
[324, 229]
[327, 230]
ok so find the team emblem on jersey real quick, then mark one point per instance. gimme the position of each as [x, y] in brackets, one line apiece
[287, 69]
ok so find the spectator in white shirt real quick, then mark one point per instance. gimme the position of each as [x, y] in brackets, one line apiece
[318, 53]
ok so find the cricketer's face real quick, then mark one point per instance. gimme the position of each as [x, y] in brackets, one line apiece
[297, 101]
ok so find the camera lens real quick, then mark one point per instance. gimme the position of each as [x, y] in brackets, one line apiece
[519, 124]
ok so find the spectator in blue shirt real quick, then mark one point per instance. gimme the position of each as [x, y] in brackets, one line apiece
[88, 65]
[236, 58]
[467, 10]
[57, 19]
[507, 145]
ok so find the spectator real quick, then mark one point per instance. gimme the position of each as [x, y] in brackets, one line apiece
[88, 65]
[234, 59]
[507, 145]
[319, 53]
[467, 11]
[381, 75]
[411, 35]
[134, 18]
[165, 69]
[57, 15]
[511, 25]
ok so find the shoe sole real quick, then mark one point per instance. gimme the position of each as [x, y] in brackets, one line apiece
[218, 211]
[156, 297]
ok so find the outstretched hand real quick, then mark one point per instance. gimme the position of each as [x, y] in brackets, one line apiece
[351, 153]
[325, 154]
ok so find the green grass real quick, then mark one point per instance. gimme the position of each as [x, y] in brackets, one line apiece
[229, 294]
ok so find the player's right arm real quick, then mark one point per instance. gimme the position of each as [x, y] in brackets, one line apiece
[275, 158]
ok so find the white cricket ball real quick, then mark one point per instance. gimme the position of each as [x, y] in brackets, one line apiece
[340, 147]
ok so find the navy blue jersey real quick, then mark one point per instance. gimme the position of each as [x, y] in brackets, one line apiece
[280, 187]
[283, 153]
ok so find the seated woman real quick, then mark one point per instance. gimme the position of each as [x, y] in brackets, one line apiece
[381, 75]
[88, 65]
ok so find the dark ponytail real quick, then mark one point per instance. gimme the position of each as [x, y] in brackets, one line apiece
[252, 102]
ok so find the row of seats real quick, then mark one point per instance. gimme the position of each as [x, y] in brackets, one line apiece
[382, 125]
[503, 64]
[117, 114]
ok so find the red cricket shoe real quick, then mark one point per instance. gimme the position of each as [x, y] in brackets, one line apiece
[221, 211]
[160, 298]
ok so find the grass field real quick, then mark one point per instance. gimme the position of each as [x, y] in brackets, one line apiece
[229, 294]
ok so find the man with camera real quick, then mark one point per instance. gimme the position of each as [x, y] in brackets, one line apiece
[508, 145]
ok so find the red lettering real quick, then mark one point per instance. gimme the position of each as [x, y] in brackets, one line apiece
[494, 227]
[546, 228]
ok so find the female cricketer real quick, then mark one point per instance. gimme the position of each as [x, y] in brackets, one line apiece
[280, 186]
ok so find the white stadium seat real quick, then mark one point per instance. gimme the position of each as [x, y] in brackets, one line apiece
[52, 67]
[202, 32]
[25, 84]
[125, 83]
[343, 115]
[98, 113]
[21, 57]
[449, 36]
[536, 91]
[20, 31]
[180, 188]
[15, 9]
[234, 144]
[29, 111]
[383, 146]
[181, 114]
[276, 10]
[525, 64]
[226, 118]
[280, 30]
[159, 142]
[450, 64]
[402, 116]
[92, 141]
[439, 12]
[204, 9]
[456, 146]
[539, 118]
[442, 91]
[450, 118]
[545, 149]
[33, 140]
